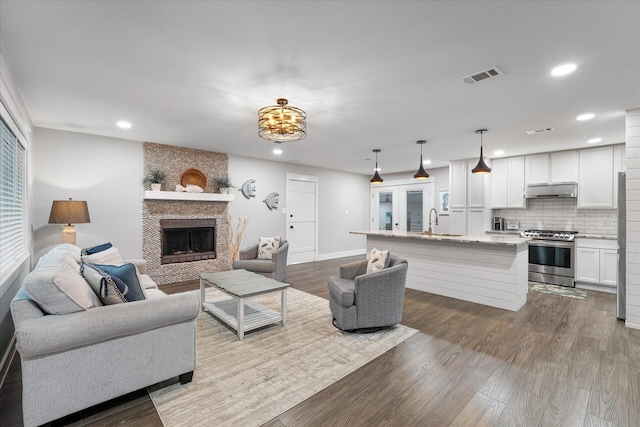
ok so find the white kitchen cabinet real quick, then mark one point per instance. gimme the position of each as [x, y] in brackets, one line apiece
[458, 184]
[475, 221]
[595, 184]
[507, 183]
[551, 168]
[563, 166]
[458, 218]
[537, 168]
[596, 264]
[475, 190]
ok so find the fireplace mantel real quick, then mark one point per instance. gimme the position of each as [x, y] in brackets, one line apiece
[178, 195]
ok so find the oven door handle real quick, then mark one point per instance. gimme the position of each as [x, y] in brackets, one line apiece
[551, 243]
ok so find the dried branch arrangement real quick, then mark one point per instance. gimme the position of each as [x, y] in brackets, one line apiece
[234, 246]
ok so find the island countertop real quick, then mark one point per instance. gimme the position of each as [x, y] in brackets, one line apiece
[509, 240]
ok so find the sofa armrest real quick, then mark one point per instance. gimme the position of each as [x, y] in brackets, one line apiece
[353, 269]
[140, 263]
[55, 333]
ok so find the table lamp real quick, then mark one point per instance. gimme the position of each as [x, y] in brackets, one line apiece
[68, 212]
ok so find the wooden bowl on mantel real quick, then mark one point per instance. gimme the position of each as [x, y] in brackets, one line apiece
[194, 177]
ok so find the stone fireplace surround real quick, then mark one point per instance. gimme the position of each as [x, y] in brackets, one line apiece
[173, 161]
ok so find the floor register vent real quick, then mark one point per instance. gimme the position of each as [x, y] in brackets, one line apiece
[480, 76]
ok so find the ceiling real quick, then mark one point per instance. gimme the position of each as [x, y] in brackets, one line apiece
[369, 74]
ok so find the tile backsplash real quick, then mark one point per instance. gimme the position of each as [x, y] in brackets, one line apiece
[562, 214]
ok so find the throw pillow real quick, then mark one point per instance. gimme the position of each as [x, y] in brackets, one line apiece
[59, 290]
[109, 256]
[378, 260]
[267, 246]
[96, 249]
[114, 284]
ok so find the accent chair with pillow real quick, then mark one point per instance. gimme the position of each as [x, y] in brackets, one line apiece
[362, 301]
[268, 257]
[76, 351]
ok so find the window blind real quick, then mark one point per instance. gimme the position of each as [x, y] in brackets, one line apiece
[12, 198]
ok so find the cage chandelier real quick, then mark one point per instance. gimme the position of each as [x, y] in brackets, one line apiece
[282, 122]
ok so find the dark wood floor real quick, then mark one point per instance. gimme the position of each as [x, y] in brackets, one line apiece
[557, 361]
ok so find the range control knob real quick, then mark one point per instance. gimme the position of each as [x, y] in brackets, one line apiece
[558, 236]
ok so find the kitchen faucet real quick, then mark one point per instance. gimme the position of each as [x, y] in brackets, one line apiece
[430, 231]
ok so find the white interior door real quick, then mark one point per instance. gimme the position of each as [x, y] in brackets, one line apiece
[301, 219]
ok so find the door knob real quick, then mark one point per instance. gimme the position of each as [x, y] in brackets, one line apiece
[291, 226]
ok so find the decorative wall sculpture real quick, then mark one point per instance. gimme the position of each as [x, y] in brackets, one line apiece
[272, 200]
[249, 188]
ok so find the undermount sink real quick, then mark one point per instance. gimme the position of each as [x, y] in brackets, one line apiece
[426, 233]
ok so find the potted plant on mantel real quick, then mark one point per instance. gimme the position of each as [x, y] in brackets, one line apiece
[223, 184]
[155, 178]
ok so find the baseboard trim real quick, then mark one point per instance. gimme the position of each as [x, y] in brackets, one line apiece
[334, 255]
[6, 361]
[631, 325]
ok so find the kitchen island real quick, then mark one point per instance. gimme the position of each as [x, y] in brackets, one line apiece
[489, 269]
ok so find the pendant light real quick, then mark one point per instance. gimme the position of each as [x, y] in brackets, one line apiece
[481, 167]
[421, 174]
[376, 178]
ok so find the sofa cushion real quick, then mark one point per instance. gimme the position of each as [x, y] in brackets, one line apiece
[378, 260]
[147, 282]
[58, 259]
[98, 248]
[68, 249]
[114, 284]
[155, 294]
[267, 246]
[342, 291]
[59, 290]
[109, 256]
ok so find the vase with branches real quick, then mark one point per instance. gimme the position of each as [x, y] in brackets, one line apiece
[236, 241]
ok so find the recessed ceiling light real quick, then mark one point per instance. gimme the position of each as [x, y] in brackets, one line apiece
[594, 140]
[498, 153]
[586, 116]
[277, 151]
[563, 70]
[123, 125]
[426, 162]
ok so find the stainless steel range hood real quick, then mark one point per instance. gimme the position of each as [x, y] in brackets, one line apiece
[551, 191]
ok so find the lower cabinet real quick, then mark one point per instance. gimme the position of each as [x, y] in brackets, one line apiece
[596, 264]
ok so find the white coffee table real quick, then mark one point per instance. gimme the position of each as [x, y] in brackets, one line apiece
[237, 310]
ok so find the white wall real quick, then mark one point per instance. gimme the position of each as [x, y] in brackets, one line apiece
[633, 218]
[106, 172]
[337, 192]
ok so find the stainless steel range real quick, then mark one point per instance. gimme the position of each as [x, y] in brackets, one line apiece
[551, 256]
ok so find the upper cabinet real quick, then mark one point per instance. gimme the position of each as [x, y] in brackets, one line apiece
[551, 168]
[458, 184]
[596, 181]
[507, 182]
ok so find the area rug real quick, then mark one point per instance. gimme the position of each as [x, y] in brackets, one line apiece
[558, 290]
[247, 383]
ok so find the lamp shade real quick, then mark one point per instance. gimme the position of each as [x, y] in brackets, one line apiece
[481, 168]
[69, 212]
[376, 178]
[421, 174]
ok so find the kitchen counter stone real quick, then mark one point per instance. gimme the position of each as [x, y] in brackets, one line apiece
[507, 240]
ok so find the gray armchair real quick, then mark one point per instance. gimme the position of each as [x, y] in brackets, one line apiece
[274, 268]
[362, 301]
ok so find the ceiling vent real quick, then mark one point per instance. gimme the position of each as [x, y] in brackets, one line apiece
[480, 76]
[537, 131]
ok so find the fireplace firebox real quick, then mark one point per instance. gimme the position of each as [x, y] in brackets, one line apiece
[186, 240]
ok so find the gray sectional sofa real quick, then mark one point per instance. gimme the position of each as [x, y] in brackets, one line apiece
[76, 352]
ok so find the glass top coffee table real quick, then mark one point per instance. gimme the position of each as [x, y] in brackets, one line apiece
[237, 310]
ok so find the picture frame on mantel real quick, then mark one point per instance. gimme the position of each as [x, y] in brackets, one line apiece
[443, 202]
